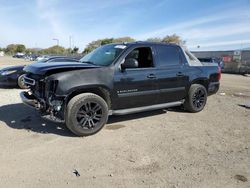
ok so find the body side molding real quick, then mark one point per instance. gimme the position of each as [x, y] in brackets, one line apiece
[145, 108]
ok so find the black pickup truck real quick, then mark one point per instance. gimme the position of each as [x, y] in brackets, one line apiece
[119, 79]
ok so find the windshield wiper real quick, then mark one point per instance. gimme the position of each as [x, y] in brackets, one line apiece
[88, 62]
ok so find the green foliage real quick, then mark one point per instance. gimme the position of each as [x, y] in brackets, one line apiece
[59, 50]
[168, 39]
[14, 48]
[107, 41]
[123, 39]
[75, 50]
[93, 45]
[154, 39]
[173, 39]
[20, 48]
[54, 50]
[97, 43]
[72, 51]
[32, 50]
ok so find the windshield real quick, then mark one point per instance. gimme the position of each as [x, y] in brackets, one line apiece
[104, 55]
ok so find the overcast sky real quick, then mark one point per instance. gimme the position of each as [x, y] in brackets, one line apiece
[210, 24]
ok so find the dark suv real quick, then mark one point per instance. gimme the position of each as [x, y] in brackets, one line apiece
[119, 79]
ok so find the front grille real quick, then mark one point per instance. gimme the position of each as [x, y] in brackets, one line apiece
[40, 89]
[37, 86]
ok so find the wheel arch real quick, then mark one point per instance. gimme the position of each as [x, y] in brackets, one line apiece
[201, 81]
[101, 91]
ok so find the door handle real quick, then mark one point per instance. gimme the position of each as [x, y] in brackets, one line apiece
[179, 74]
[151, 76]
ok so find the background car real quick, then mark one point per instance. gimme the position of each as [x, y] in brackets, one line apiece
[14, 76]
[19, 55]
[33, 57]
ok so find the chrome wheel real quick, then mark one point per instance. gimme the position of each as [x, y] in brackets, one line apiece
[89, 115]
[198, 98]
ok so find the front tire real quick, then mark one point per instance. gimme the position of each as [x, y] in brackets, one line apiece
[196, 99]
[86, 114]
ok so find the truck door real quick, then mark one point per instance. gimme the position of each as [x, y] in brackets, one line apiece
[136, 87]
[171, 77]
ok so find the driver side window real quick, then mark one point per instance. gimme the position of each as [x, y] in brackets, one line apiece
[143, 55]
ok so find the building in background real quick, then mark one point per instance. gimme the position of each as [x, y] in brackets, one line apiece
[236, 61]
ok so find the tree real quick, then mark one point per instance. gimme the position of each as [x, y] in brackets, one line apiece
[173, 39]
[123, 39]
[156, 39]
[11, 49]
[107, 41]
[32, 50]
[14, 48]
[91, 46]
[97, 43]
[20, 48]
[54, 50]
[75, 50]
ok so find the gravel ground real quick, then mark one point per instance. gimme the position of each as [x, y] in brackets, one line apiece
[9, 61]
[164, 148]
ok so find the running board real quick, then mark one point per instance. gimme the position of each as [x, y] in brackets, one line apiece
[145, 108]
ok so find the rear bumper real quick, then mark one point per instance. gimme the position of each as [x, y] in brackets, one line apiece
[213, 88]
[29, 100]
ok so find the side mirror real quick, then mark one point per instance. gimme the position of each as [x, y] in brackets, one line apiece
[129, 63]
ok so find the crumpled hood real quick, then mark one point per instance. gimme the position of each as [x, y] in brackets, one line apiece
[45, 68]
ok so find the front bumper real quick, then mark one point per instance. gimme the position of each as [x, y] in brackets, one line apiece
[30, 100]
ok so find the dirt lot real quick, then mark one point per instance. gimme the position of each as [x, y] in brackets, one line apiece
[165, 148]
[9, 61]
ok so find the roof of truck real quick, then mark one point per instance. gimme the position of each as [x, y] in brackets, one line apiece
[143, 43]
[149, 43]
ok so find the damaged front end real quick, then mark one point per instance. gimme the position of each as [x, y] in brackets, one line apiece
[42, 96]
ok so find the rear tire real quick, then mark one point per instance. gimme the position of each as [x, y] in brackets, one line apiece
[20, 82]
[86, 114]
[196, 99]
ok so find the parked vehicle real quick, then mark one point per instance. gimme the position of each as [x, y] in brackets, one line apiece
[39, 58]
[217, 61]
[51, 59]
[19, 55]
[119, 79]
[33, 57]
[14, 76]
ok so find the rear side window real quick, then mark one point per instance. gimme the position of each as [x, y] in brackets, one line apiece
[167, 55]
